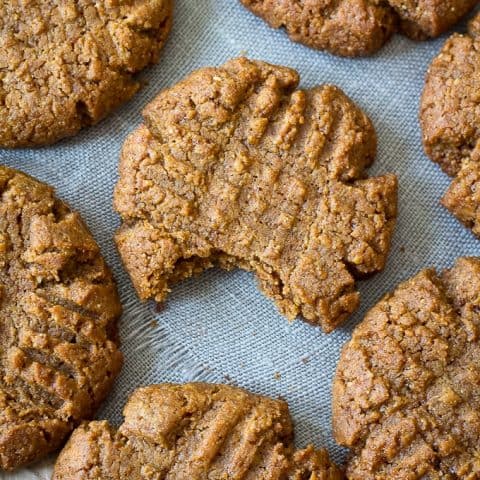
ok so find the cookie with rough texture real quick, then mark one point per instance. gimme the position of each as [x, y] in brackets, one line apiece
[66, 64]
[236, 167]
[58, 312]
[450, 118]
[358, 27]
[406, 392]
[194, 431]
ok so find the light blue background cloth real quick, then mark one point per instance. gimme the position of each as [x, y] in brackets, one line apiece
[219, 327]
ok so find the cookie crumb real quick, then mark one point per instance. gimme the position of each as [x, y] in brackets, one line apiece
[160, 307]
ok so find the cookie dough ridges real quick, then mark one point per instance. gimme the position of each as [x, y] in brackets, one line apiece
[193, 431]
[405, 395]
[237, 167]
[58, 312]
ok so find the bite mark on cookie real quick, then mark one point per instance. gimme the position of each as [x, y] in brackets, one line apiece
[237, 167]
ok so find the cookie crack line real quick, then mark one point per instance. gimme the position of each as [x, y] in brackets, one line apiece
[405, 394]
[236, 167]
[67, 65]
[354, 28]
[449, 115]
[194, 431]
[58, 311]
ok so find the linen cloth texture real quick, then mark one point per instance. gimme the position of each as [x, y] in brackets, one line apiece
[219, 327]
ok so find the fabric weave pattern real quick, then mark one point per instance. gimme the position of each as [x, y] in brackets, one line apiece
[219, 327]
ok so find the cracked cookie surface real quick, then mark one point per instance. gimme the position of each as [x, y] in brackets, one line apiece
[66, 64]
[405, 395]
[236, 167]
[58, 312]
[450, 116]
[358, 27]
[194, 431]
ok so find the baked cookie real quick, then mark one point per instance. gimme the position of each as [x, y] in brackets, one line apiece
[450, 118]
[236, 167]
[58, 312]
[359, 27]
[193, 431]
[65, 65]
[405, 395]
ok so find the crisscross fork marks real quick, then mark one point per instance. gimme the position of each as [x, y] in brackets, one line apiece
[237, 167]
[58, 312]
[405, 395]
[194, 431]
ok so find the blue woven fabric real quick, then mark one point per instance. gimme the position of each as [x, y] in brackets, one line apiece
[219, 327]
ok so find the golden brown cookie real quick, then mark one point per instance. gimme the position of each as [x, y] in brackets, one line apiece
[66, 64]
[194, 432]
[58, 312]
[236, 167]
[406, 392]
[359, 27]
[450, 118]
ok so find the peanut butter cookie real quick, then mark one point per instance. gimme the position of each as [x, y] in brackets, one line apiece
[193, 432]
[58, 312]
[236, 167]
[67, 64]
[405, 396]
[359, 27]
[450, 118]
